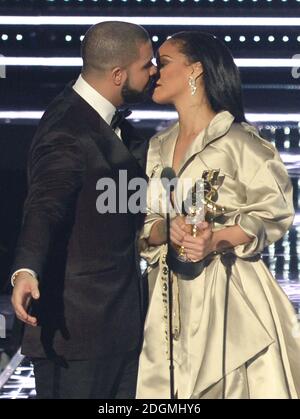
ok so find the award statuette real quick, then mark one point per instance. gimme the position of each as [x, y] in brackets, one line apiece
[199, 205]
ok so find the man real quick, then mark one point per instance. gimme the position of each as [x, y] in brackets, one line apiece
[78, 267]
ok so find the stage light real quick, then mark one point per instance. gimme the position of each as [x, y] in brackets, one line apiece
[271, 38]
[269, 117]
[68, 38]
[155, 38]
[298, 37]
[19, 37]
[242, 38]
[169, 116]
[287, 130]
[286, 144]
[4, 37]
[81, 37]
[285, 38]
[77, 62]
[256, 38]
[227, 38]
[42, 61]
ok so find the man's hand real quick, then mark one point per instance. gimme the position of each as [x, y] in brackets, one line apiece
[197, 248]
[26, 288]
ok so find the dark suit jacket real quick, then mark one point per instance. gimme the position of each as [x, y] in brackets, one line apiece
[87, 262]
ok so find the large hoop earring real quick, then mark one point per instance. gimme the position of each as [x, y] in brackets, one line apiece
[192, 84]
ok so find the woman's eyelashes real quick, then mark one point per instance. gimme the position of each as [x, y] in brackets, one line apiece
[162, 64]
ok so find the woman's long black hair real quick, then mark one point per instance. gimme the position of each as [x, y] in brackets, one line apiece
[221, 75]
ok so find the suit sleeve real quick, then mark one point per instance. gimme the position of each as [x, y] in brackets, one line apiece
[56, 169]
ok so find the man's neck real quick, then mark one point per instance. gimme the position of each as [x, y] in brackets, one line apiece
[103, 87]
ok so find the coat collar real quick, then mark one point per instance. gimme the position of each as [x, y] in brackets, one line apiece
[217, 128]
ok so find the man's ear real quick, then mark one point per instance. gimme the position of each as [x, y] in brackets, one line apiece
[118, 75]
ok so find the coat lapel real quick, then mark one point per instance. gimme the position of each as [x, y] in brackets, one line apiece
[217, 128]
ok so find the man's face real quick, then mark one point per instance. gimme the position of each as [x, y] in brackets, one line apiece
[140, 80]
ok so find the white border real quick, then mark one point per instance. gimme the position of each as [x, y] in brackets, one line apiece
[152, 20]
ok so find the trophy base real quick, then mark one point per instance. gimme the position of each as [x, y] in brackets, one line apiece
[190, 270]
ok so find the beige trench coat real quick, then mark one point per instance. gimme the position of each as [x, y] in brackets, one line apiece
[262, 349]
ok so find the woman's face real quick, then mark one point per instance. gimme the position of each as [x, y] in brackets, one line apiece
[173, 74]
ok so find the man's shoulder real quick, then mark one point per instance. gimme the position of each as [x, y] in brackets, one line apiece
[67, 114]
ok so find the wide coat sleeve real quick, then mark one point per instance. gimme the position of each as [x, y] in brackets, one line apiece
[266, 211]
[154, 202]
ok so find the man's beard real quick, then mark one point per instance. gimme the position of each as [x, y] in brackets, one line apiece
[130, 95]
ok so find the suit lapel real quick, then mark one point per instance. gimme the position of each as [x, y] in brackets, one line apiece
[120, 155]
[115, 151]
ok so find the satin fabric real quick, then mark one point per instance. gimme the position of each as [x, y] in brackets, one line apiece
[256, 354]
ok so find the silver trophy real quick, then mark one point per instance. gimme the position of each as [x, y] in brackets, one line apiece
[200, 205]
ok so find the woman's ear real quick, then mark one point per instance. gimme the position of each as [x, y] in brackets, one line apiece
[197, 70]
[118, 75]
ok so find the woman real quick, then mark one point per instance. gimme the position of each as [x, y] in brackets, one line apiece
[234, 332]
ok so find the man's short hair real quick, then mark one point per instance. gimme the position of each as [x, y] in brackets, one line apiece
[111, 44]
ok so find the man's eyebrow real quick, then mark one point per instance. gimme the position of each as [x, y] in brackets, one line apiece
[149, 63]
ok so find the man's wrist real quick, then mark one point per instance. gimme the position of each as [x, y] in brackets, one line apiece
[18, 272]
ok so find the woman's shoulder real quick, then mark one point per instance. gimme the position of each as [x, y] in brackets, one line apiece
[154, 151]
[244, 140]
[165, 132]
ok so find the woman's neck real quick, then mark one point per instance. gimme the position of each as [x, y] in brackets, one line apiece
[193, 119]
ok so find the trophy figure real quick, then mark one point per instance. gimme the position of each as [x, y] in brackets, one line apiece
[199, 205]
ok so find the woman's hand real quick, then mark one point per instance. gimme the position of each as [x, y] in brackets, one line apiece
[178, 230]
[197, 248]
